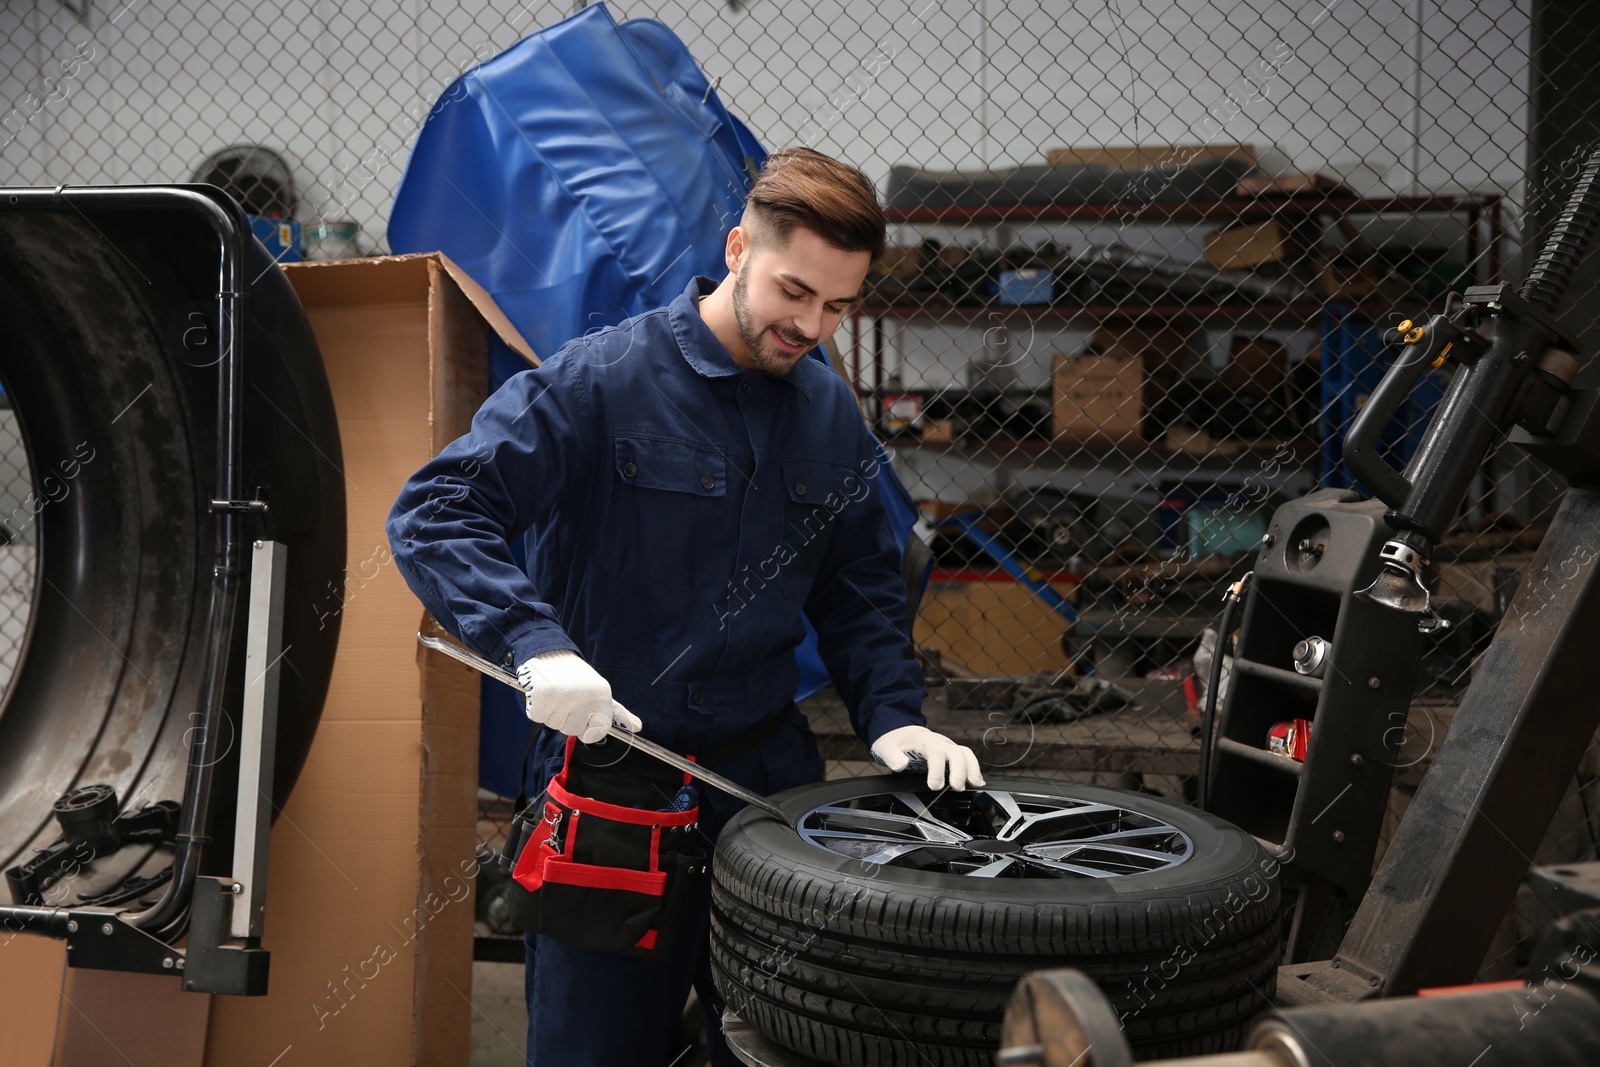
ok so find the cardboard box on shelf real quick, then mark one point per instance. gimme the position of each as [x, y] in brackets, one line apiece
[1347, 276]
[1137, 157]
[1097, 397]
[1294, 185]
[900, 261]
[1257, 366]
[1164, 345]
[1252, 244]
[1187, 439]
[991, 627]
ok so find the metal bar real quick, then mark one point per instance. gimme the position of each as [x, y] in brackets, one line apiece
[258, 737]
[1495, 782]
[1278, 674]
[1272, 761]
[665, 755]
[967, 522]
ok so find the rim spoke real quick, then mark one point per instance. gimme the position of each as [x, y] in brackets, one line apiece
[1015, 818]
[1063, 852]
[1031, 821]
[1164, 858]
[908, 825]
[851, 835]
[925, 814]
[890, 853]
[991, 870]
[1154, 831]
[1069, 868]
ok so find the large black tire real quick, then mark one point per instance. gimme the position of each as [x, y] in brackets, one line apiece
[110, 362]
[862, 963]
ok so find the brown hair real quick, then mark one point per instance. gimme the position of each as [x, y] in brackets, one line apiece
[803, 187]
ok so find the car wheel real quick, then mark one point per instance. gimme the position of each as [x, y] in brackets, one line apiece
[887, 924]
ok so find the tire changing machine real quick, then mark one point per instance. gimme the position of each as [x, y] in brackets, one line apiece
[222, 916]
[1349, 577]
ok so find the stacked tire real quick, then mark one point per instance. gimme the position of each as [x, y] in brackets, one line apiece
[910, 961]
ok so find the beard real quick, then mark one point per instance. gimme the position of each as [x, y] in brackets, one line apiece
[763, 350]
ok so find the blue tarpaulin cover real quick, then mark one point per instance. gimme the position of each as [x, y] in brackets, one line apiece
[581, 176]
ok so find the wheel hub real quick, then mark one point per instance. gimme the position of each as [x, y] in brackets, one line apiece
[994, 848]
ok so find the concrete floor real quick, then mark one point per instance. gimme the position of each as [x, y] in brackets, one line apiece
[500, 1020]
[499, 1016]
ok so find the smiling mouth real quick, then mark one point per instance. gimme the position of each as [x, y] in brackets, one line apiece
[792, 347]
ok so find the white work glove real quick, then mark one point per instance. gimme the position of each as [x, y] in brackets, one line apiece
[566, 694]
[895, 749]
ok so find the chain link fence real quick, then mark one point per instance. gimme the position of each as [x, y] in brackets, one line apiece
[1142, 257]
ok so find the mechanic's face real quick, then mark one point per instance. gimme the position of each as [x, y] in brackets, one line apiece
[788, 296]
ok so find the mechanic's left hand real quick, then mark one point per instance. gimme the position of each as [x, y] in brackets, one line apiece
[945, 758]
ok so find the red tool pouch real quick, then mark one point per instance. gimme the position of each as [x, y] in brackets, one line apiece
[601, 859]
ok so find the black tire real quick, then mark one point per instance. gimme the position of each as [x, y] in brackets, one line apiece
[110, 354]
[864, 963]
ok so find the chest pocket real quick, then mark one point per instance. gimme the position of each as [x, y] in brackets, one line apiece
[664, 516]
[815, 495]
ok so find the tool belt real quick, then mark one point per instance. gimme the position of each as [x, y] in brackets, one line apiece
[608, 856]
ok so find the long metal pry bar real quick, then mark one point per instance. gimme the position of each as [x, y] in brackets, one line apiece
[665, 755]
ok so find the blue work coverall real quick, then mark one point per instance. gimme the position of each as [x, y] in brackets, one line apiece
[679, 513]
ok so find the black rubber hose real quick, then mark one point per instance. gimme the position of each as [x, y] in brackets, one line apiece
[1208, 718]
[1568, 241]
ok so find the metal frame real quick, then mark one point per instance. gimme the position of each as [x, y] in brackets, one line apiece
[224, 916]
[258, 736]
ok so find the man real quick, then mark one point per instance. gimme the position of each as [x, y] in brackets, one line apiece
[688, 482]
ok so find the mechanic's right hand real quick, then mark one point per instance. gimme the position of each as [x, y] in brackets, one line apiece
[566, 694]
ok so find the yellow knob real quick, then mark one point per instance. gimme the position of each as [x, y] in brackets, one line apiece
[1414, 336]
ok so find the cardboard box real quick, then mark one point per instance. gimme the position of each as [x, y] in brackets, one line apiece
[1097, 397]
[370, 897]
[1139, 157]
[1164, 345]
[1258, 367]
[1251, 244]
[900, 262]
[1294, 185]
[995, 627]
[1345, 276]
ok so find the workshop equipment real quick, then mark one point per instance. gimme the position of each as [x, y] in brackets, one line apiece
[228, 508]
[92, 828]
[1355, 572]
[1061, 1019]
[665, 755]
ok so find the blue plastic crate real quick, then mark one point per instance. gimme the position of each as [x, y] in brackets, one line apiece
[1031, 285]
[280, 236]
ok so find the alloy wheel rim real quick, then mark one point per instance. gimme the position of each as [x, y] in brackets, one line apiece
[997, 833]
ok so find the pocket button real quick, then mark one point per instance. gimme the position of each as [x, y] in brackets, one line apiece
[799, 488]
[708, 482]
[629, 470]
